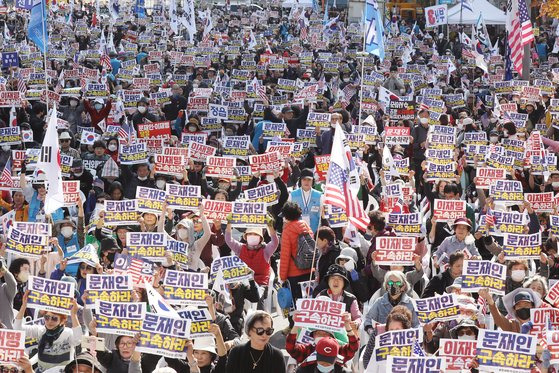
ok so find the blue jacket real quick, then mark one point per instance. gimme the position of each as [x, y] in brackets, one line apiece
[381, 308]
[311, 209]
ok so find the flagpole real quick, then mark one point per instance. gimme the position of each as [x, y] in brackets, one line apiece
[364, 53]
[44, 25]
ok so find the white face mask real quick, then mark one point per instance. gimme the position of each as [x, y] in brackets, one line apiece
[270, 178]
[555, 184]
[142, 178]
[469, 240]
[179, 177]
[494, 139]
[333, 124]
[113, 147]
[467, 337]
[67, 232]
[142, 109]
[493, 120]
[518, 275]
[73, 103]
[423, 120]
[192, 128]
[506, 133]
[182, 233]
[253, 240]
[98, 107]
[23, 276]
[160, 184]
[349, 265]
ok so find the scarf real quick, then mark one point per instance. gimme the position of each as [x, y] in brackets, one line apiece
[48, 339]
[198, 235]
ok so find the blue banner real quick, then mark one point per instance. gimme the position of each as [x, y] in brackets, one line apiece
[37, 29]
[374, 40]
[140, 9]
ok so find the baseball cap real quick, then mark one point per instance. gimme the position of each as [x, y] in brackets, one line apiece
[523, 295]
[327, 350]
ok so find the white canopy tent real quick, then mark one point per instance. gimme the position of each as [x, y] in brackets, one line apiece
[490, 13]
[299, 3]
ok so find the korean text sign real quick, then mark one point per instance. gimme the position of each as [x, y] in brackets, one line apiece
[185, 288]
[437, 308]
[108, 288]
[498, 350]
[320, 314]
[119, 318]
[479, 274]
[50, 295]
[164, 336]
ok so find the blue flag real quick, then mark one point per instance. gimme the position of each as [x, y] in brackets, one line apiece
[374, 30]
[508, 64]
[37, 28]
[140, 9]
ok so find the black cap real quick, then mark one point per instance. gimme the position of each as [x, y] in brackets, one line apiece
[307, 172]
[77, 162]
[286, 109]
[337, 270]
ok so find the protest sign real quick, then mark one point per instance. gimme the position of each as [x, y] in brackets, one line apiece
[401, 110]
[10, 99]
[185, 288]
[141, 270]
[217, 210]
[336, 216]
[499, 351]
[449, 210]
[486, 175]
[29, 245]
[266, 163]
[147, 245]
[397, 135]
[65, 164]
[541, 202]
[236, 146]
[220, 167]
[436, 15]
[164, 336]
[319, 314]
[10, 136]
[150, 200]
[267, 193]
[189, 138]
[414, 364]
[522, 246]
[199, 152]
[396, 343]
[249, 214]
[321, 120]
[552, 340]
[12, 346]
[322, 164]
[405, 224]
[552, 295]
[200, 321]
[71, 191]
[179, 251]
[543, 319]
[50, 295]
[437, 308]
[119, 318]
[108, 288]
[233, 269]
[123, 212]
[479, 274]
[183, 197]
[394, 251]
[173, 165]
[509, 192]
[87, 254]
[271, 130]
[458, 354]
[133, 154]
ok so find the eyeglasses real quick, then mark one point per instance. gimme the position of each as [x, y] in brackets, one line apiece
[126, 344]
[261, 331]
[85, 267]
[51, 318]
[397, 283]
[465, 331]
[8, 369]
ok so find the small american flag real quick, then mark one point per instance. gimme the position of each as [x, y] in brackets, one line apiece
[259, 89]
[417, 350]
[482, 305]
[6, 177]
[467, 52]
[21, 85]
[105, 61]
[126, 134]
[304, 33]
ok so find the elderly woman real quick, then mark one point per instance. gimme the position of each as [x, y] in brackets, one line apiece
[538, 284]
[56, 342]
[396, 287]
[461, 240]
[120, 360]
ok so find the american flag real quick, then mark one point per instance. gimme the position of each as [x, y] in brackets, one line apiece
[519, 30]
[304, 33]
[6, 177]
[482, 305]
[342, 183]
[417, 350]
[126, 133]
[259, 89]
[21, 85]
[105, 61]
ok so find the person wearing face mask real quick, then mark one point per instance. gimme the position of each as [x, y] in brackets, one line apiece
[462, 239]
[396, 287]
[160, 181]
[112, 148]
[308, 198]
[71, 237]
[552, 184]
[84, 176]
[509, 131]
[193, 126]
[494, 137]
[177, 103]
[419, 135]
[439, 282]
[142, 115]
[98, 111]
[466, 330]
[224, 184]
[72, 113]
[142, 177]
[413, 277]
[518, 304]
[324, 140]
[37, 120]
[35, 194]
[20, 270]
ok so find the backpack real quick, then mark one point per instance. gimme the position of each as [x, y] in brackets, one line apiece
[305, 251]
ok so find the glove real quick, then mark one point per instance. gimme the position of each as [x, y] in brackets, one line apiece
[526, 327]
[354, 275]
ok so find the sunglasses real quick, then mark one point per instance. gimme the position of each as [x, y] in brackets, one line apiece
[51, 318]
[85, 267]
[397, 283]
[65, 140]
[261, 331]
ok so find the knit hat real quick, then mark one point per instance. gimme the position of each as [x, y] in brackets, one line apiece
[327, 350]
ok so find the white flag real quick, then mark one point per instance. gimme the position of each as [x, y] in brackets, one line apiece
[49, 163]
[158, 304]
[173, 20]
[388, 161]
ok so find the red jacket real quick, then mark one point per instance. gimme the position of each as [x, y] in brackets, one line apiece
[97, 116]
[255, 260]
[289, 243]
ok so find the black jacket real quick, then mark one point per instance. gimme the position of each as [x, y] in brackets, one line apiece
[239, 360]
[438, 284]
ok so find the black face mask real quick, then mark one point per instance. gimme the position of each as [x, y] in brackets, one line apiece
[523, 313]
[394, 290]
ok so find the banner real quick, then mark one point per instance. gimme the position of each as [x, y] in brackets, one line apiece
[12, 346]
[220, 167]
[322, 164]
[449, 210]
[271, 130]
[437, 308]
[405, 224]
[133, 154]
[541, 202]
[179, 250]
[71, 191]
[186, 288]
[119, 318]
[552, 295]
[249, 214]
[30, 246]
[217, 210]
[50, 295]
[10, 136]
[458, 354]
[164, 336]
[509, 192]
[266, 163]
[321, 120]
[499, 351]
[397, 135]
[147, 245]
[394, 251]
[319, 314]
[236, 146]
[141, 270]
[200, 321]
[522, 246]
[10, 98]
[479, 274]
[108, 288]
[173, 165]
[121, 212]
[539, 317]
[415, 364]
[397, 343]
[436, 15]
[486, 175]
[150, 200]
[267, 193]
[233, 269]
[184, 197]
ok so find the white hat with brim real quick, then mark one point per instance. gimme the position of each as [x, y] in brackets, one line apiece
[205, 344]
[508, 299]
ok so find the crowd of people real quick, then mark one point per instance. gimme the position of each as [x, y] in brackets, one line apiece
[456, 170]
